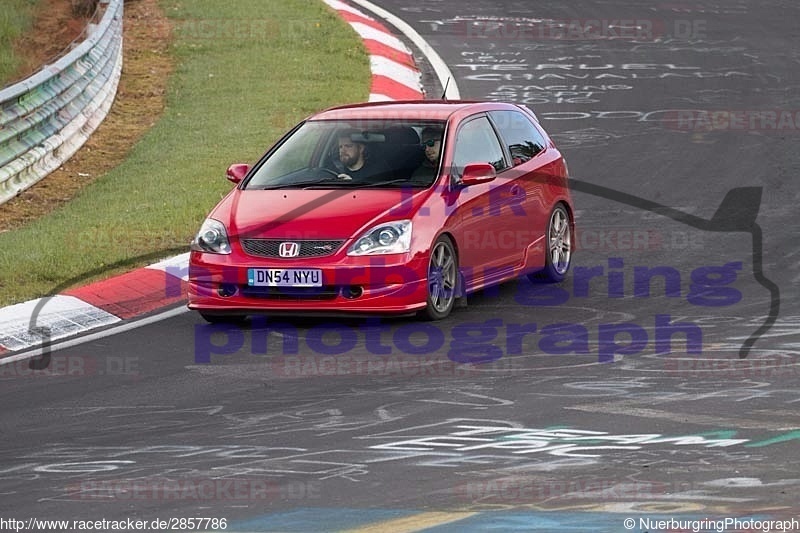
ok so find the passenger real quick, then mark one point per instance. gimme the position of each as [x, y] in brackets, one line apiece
[432, 143]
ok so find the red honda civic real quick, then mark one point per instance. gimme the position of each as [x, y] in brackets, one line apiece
[391, 207]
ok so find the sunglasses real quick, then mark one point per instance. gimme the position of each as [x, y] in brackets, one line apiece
[430, 142]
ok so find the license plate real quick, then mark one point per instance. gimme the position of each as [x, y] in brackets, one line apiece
[284, 277]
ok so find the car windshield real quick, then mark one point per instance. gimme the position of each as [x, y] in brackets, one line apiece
[353, 154]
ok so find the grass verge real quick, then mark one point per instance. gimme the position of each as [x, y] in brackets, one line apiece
[16, 17]
[245, 72]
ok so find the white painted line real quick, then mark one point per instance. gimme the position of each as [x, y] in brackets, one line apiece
[439, 66]
[177, 266]
[127, 326]
[341, 6]
[375, 97]
[64, 316]
[368, 32]
[400, 73]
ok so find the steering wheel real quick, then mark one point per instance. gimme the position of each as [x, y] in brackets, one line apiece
[339, 175]
[329, 171]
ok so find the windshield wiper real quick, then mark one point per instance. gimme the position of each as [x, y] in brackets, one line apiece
[388, 182]
[340, 182]
[309, 183]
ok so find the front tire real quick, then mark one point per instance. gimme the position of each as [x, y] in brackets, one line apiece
[442, 279]
[559, 247]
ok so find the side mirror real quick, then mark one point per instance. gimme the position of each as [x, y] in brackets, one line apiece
[476, 173]
[237, 172]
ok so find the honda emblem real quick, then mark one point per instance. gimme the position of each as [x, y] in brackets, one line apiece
[289, 249]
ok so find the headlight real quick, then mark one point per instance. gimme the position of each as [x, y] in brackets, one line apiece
[212, 238]
[386, 238]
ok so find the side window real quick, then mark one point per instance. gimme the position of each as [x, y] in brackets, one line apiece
[477, 142]
[524, 140]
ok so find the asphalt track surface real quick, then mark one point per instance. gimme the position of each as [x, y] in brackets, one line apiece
[278, 434]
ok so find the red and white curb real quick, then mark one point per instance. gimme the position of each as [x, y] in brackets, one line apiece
[94, 306]
[101, 304]
[394, 73]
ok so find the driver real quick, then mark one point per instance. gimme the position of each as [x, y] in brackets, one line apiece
[355, 158]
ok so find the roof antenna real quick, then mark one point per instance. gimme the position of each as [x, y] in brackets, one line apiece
[444, 93]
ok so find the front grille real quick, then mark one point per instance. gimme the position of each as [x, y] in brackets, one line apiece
[269, 247]
[326, 292]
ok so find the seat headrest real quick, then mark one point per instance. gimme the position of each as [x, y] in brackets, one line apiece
[401, 135]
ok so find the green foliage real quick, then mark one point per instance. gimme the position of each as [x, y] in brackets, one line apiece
[16, 17]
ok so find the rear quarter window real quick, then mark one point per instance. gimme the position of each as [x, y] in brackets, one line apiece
[522, 138]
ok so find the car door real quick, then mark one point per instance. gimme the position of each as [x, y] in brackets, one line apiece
[487, 247]
[530, 171]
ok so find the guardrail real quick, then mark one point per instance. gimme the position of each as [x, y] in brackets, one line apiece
[44, 119]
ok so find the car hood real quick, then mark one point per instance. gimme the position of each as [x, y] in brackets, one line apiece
[313, 213]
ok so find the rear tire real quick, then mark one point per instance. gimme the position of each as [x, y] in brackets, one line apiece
[442, 279]
[559, 247]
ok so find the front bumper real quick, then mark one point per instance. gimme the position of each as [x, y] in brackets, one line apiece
[395, 283]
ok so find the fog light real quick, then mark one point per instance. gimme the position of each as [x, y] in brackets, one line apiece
[227, 290]
[353, 291]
